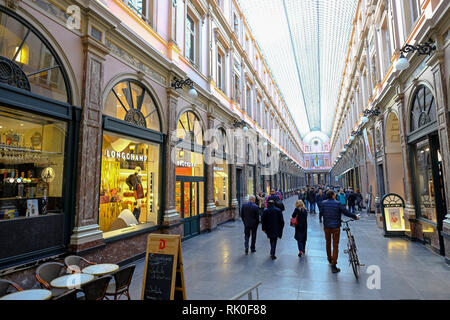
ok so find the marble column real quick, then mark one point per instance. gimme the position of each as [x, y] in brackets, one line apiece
[86, 233]
[171, 215]
[210, 204]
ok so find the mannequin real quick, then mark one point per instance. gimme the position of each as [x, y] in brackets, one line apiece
[134, 182]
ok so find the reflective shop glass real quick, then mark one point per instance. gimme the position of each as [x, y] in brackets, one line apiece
[221, 184]
[32, 154]
[130, 184]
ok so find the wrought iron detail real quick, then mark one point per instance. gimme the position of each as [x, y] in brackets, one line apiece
[424, 118]
[13, 75]
[423, 49]
[178, 83]
[136, 117]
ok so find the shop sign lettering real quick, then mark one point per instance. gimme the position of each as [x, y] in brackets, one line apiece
[185, 164]
[126, 156]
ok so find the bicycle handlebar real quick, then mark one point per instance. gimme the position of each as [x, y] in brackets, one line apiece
[349, 220]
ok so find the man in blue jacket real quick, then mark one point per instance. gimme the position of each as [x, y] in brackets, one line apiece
[332, 212]
[250, 217]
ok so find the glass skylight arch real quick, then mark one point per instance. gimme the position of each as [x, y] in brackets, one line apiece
[305, 43]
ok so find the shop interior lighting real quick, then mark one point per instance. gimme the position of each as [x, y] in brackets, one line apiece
[317, 34]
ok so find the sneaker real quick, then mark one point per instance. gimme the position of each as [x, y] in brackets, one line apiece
[253, 250]
[246, 251]
[335, 269]
[273, 257]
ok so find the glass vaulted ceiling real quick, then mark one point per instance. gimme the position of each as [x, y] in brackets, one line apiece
[305, 44]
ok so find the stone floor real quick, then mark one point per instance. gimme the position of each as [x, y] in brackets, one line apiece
[216, 267]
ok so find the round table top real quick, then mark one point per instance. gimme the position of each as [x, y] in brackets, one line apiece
[101, 269]
[33, 294]
[71, 281]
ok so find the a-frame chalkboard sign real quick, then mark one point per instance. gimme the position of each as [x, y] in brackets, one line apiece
[164, 274]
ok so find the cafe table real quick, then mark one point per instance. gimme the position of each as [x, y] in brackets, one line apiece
[32, 294]
[71, 281]
[100, 269]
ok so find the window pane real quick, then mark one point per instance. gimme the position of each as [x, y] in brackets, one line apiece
[32, 150]
[129, 194]
[221, 183]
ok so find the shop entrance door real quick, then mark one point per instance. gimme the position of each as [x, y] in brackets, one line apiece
[188, 205]
[438, 179]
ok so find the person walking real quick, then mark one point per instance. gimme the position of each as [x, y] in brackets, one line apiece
[342, 198]
[359, 200]
[250, 218]
[261, 202]
[312, 200]
[276, 199]
[332, 214]
[272, 225]
[319, 198]
[301, 229]
[351, 201]
[305, 197]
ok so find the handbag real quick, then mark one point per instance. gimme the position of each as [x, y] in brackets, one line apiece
[294, 222]
[139, 192]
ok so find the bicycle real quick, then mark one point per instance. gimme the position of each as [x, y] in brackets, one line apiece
[351, 249]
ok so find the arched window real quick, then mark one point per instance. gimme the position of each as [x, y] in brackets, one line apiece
[190, 128]
[28, 62]
[220, 143]
[423, 110]
[133, 103]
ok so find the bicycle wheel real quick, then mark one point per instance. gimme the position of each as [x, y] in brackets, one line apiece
[354, 262]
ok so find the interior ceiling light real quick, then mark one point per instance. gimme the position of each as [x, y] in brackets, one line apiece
[305, 46]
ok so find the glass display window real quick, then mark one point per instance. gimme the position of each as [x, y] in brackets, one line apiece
[189, 164]
[32, 154]
[221, 185]
[130, 184]
[425, 184]
[251, 181]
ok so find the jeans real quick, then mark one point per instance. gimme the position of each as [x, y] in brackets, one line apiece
[248, 232]
[312, 206]
[273, 246]
[301, 245]
[351, 208]
[335, 235]
[306, 203]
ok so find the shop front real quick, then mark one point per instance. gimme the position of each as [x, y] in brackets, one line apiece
[221, 168]
[428, 178]
[251, 172]
[38, 146]
[190, 191]
[131, 167]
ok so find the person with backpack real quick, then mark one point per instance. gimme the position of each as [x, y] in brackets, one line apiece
[272, 225]
[301, 228]
[276, 199]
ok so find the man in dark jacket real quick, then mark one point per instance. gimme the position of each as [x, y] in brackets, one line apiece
[319, 198]
[272, 225]
[312, 200]
[276, 199]
[351, 201]
[250, 217]
[332, 212]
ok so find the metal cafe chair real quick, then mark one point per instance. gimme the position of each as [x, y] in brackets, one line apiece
[70, 295]
[46, 272]
[75, 264]
[96, 289]
[7, 287]
[121, 284]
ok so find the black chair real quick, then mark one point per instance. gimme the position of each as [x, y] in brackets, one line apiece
[121, 284]
[7, 287]
[96, 289]
[46, 272]
[75, 264]
[70, 295]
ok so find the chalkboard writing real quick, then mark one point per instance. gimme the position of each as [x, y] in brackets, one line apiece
[158, 283]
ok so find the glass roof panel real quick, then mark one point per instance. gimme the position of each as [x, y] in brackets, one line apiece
[305, 43]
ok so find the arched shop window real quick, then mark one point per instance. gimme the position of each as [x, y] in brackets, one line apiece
[221, 169]
[190, 172]
[425, 153]
[131, 161]
[423, 109]
[132, 102]
[36, 132]
[28, 62]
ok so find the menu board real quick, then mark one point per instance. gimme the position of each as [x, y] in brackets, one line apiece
[164, 276]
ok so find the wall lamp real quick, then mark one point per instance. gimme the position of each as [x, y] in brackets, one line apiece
[423, 49]
[178, 84]
[241, 124]
[368, 113]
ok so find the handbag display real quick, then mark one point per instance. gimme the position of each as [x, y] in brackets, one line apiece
[139, 192]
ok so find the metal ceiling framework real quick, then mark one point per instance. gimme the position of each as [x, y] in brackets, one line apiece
[305, 44]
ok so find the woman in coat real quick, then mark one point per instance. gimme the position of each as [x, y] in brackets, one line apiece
[272, 225]
[301, 229]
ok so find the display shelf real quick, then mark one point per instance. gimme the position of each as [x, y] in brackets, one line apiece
[20, 149]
